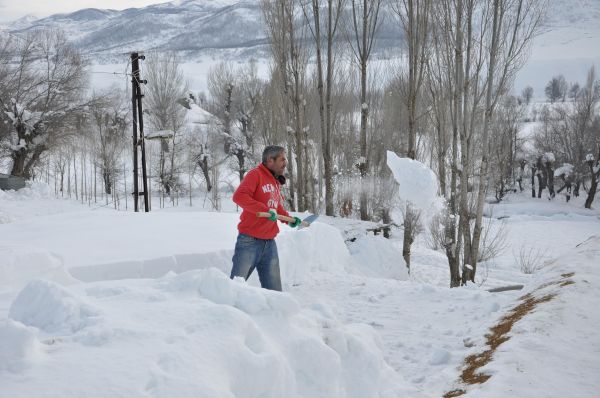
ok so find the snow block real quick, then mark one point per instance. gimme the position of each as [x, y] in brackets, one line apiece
[52, 308]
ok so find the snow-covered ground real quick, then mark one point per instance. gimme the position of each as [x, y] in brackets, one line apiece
[107, 303]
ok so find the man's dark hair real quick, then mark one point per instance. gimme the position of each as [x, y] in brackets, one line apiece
[272, 152]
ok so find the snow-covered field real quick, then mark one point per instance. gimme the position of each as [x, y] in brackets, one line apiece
[107, 303]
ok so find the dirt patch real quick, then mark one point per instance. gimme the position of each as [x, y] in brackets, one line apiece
[499, 334]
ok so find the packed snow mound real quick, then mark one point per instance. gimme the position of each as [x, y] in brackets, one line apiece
[197, 334]
[196, 240]
[418, 184]
[18, 345]
[376, 256]
[52, 308]
[215, 286]
[33, 190]
[20, 264]
[318, 248]
[36, 199]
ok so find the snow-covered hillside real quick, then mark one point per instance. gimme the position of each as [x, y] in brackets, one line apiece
[186, 26]
[203, 31]
[568, 45]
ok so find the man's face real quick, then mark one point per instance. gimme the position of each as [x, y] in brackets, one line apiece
[277, 165]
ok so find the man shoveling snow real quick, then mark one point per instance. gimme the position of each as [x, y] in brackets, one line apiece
[260, 192]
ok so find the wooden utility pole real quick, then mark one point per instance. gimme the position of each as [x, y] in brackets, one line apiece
[138, 133]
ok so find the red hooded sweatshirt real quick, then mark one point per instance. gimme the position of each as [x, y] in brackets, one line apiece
[259, 191]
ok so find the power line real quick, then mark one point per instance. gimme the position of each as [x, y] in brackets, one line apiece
[112, 73]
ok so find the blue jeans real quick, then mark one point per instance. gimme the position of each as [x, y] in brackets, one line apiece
[257, 253]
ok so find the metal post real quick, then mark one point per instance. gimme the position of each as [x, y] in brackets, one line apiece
[135, 68]
[138, 125]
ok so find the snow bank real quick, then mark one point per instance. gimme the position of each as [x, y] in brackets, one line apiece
[319, 248]
[418, 183]
[18, 346]
[197, 334]
[34, 200]
[95, 246]
[33, 190]
[376, 256]
[20, 264]
[52, 308]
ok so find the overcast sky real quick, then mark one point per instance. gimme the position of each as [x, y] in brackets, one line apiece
[14, 9]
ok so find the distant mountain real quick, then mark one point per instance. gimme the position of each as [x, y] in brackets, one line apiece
[191, 27]
[234, 30]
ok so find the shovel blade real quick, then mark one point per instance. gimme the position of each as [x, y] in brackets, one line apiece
[308, 220]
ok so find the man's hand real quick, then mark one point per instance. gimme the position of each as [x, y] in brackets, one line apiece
[296, 223]
[273, 214]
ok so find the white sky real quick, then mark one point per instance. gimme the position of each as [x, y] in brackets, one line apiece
[14, 9]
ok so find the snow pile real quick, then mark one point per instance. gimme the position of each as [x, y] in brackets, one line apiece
[418, 183]
[52, 308]
[20, 264]
[376, 256]
[317, 248]
[197, 334]
[34, 200]
[18, 346]
[33, 190]
[195, 240]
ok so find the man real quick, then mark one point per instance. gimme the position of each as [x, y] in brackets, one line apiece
[260, 191]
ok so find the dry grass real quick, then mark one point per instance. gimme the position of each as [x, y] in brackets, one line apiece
[499, 334]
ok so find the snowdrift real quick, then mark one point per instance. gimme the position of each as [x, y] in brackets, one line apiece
[92, 246]
[197, 334]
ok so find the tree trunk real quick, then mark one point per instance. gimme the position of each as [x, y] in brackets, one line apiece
[327, 157]
[550, 179]
[533, 171]
[364, 114]
[18, 168]
[107, 181]
[489, 109]
[594, 184]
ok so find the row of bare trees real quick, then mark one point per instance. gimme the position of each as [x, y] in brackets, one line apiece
[444, 104]
[568, 140]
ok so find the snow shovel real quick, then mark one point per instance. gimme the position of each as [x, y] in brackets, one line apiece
[305, 223]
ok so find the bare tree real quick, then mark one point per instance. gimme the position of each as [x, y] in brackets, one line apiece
[477, 46]
[287, 34]
[572, 133]
[556, 89]
[527, 94]
[109, 125]
[505, 145]
[325, 79]
[222, 81]
[415, 17]
[43, 92]
[166, 88]
[365, 22]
